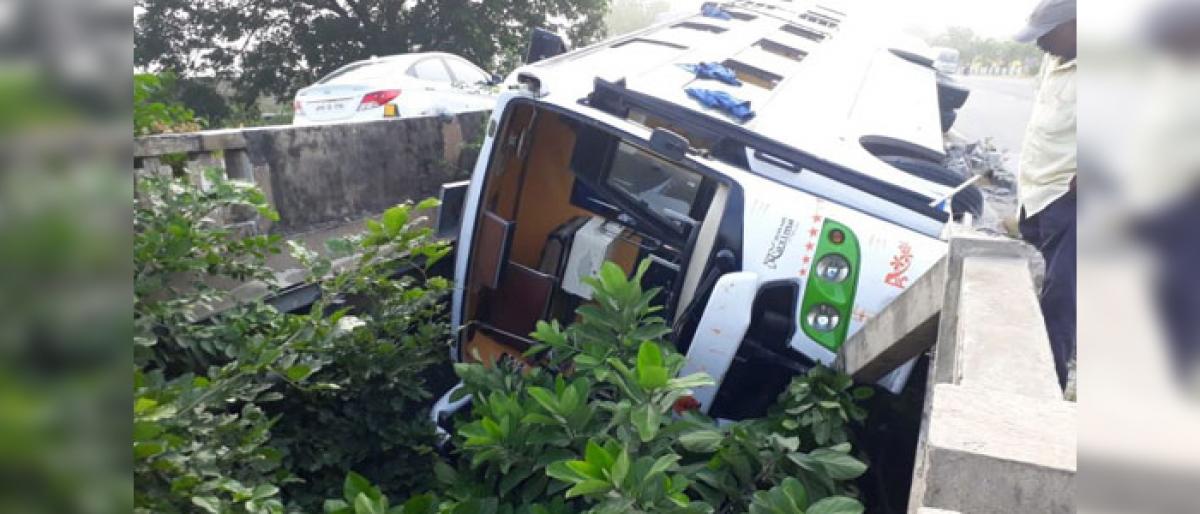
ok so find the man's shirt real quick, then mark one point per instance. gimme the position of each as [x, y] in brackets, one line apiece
[1047, 162]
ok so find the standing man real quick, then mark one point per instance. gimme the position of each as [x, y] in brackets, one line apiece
[1046, 178]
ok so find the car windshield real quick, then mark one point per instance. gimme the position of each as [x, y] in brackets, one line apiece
[663, 188]
[360, 72]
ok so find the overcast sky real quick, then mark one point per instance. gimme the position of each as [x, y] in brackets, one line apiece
[992, 18]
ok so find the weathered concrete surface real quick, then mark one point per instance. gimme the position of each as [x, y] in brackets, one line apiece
[996, 435]
[903, 330]
[319, 177]
[989, 451]
[1001, 336]
[329, 174]
[910, 325]
[946, 364]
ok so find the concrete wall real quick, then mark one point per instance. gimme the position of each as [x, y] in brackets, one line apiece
[996, 435]
[320, 177]
[328, 174]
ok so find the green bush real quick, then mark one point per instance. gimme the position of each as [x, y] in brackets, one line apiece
[241, 408]
[394, 352]
[155, 110]
[244, 409]
[603, 426]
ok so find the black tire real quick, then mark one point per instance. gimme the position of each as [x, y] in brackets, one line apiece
[951, 94]
[968, 200]
[919, 60]
[884, 146]
[948, 118]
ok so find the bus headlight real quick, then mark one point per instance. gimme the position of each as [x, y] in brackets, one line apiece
[823, 317]
[833, 267]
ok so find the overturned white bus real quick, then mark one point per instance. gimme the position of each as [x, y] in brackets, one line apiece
[778, 164]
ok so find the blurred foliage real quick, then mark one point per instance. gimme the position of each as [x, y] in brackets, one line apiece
[237, 404]
[26, 100]
[984, 51]
[64, 253]
[272, 48]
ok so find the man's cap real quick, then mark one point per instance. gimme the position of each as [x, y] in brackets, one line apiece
[1047, 15]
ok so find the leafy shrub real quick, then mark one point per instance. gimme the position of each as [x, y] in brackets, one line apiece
[820, 408]
[603, 426]
[393, 352]
[239, 410]
[154, 111]
[200, 434]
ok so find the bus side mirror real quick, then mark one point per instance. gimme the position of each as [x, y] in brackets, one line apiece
[668, 144]
[544, 44]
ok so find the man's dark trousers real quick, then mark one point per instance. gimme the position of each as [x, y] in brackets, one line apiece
[1052, 231]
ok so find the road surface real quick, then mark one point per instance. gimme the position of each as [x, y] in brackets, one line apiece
[999, 108]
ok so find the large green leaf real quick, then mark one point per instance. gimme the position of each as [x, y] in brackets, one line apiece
[839, 466]
[650, 371]
[364, 504]
[395, 218]
[561, 471]
[691, 381]
[620, 468]
[588, 487]
[702, 441]
[836, 505]
[207, 503]
[646, 420]
[357, 484]
[298, 372]
[544, 398]
[597, 456]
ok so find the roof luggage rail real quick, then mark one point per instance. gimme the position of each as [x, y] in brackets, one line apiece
[731, 142]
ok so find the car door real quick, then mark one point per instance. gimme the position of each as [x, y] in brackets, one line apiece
[470, 85]
[435, 85]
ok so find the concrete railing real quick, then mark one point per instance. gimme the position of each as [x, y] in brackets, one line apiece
[996, 435]
[323, 180]
[318, 177]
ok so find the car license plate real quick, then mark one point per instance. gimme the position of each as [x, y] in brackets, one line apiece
[329, 106]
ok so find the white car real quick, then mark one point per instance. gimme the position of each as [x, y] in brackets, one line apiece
[396, 86]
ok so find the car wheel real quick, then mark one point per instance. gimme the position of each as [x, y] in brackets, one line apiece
[968, 200]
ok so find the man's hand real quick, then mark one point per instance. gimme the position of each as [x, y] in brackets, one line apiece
[1011, 226]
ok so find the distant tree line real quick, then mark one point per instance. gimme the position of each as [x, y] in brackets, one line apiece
[227, 54]
[985, 51]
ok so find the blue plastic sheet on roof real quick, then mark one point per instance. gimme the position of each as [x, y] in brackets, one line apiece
[715, 71]
[739, 109]
[715, 11]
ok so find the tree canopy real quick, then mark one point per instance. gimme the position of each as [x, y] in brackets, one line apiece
[274, 47]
